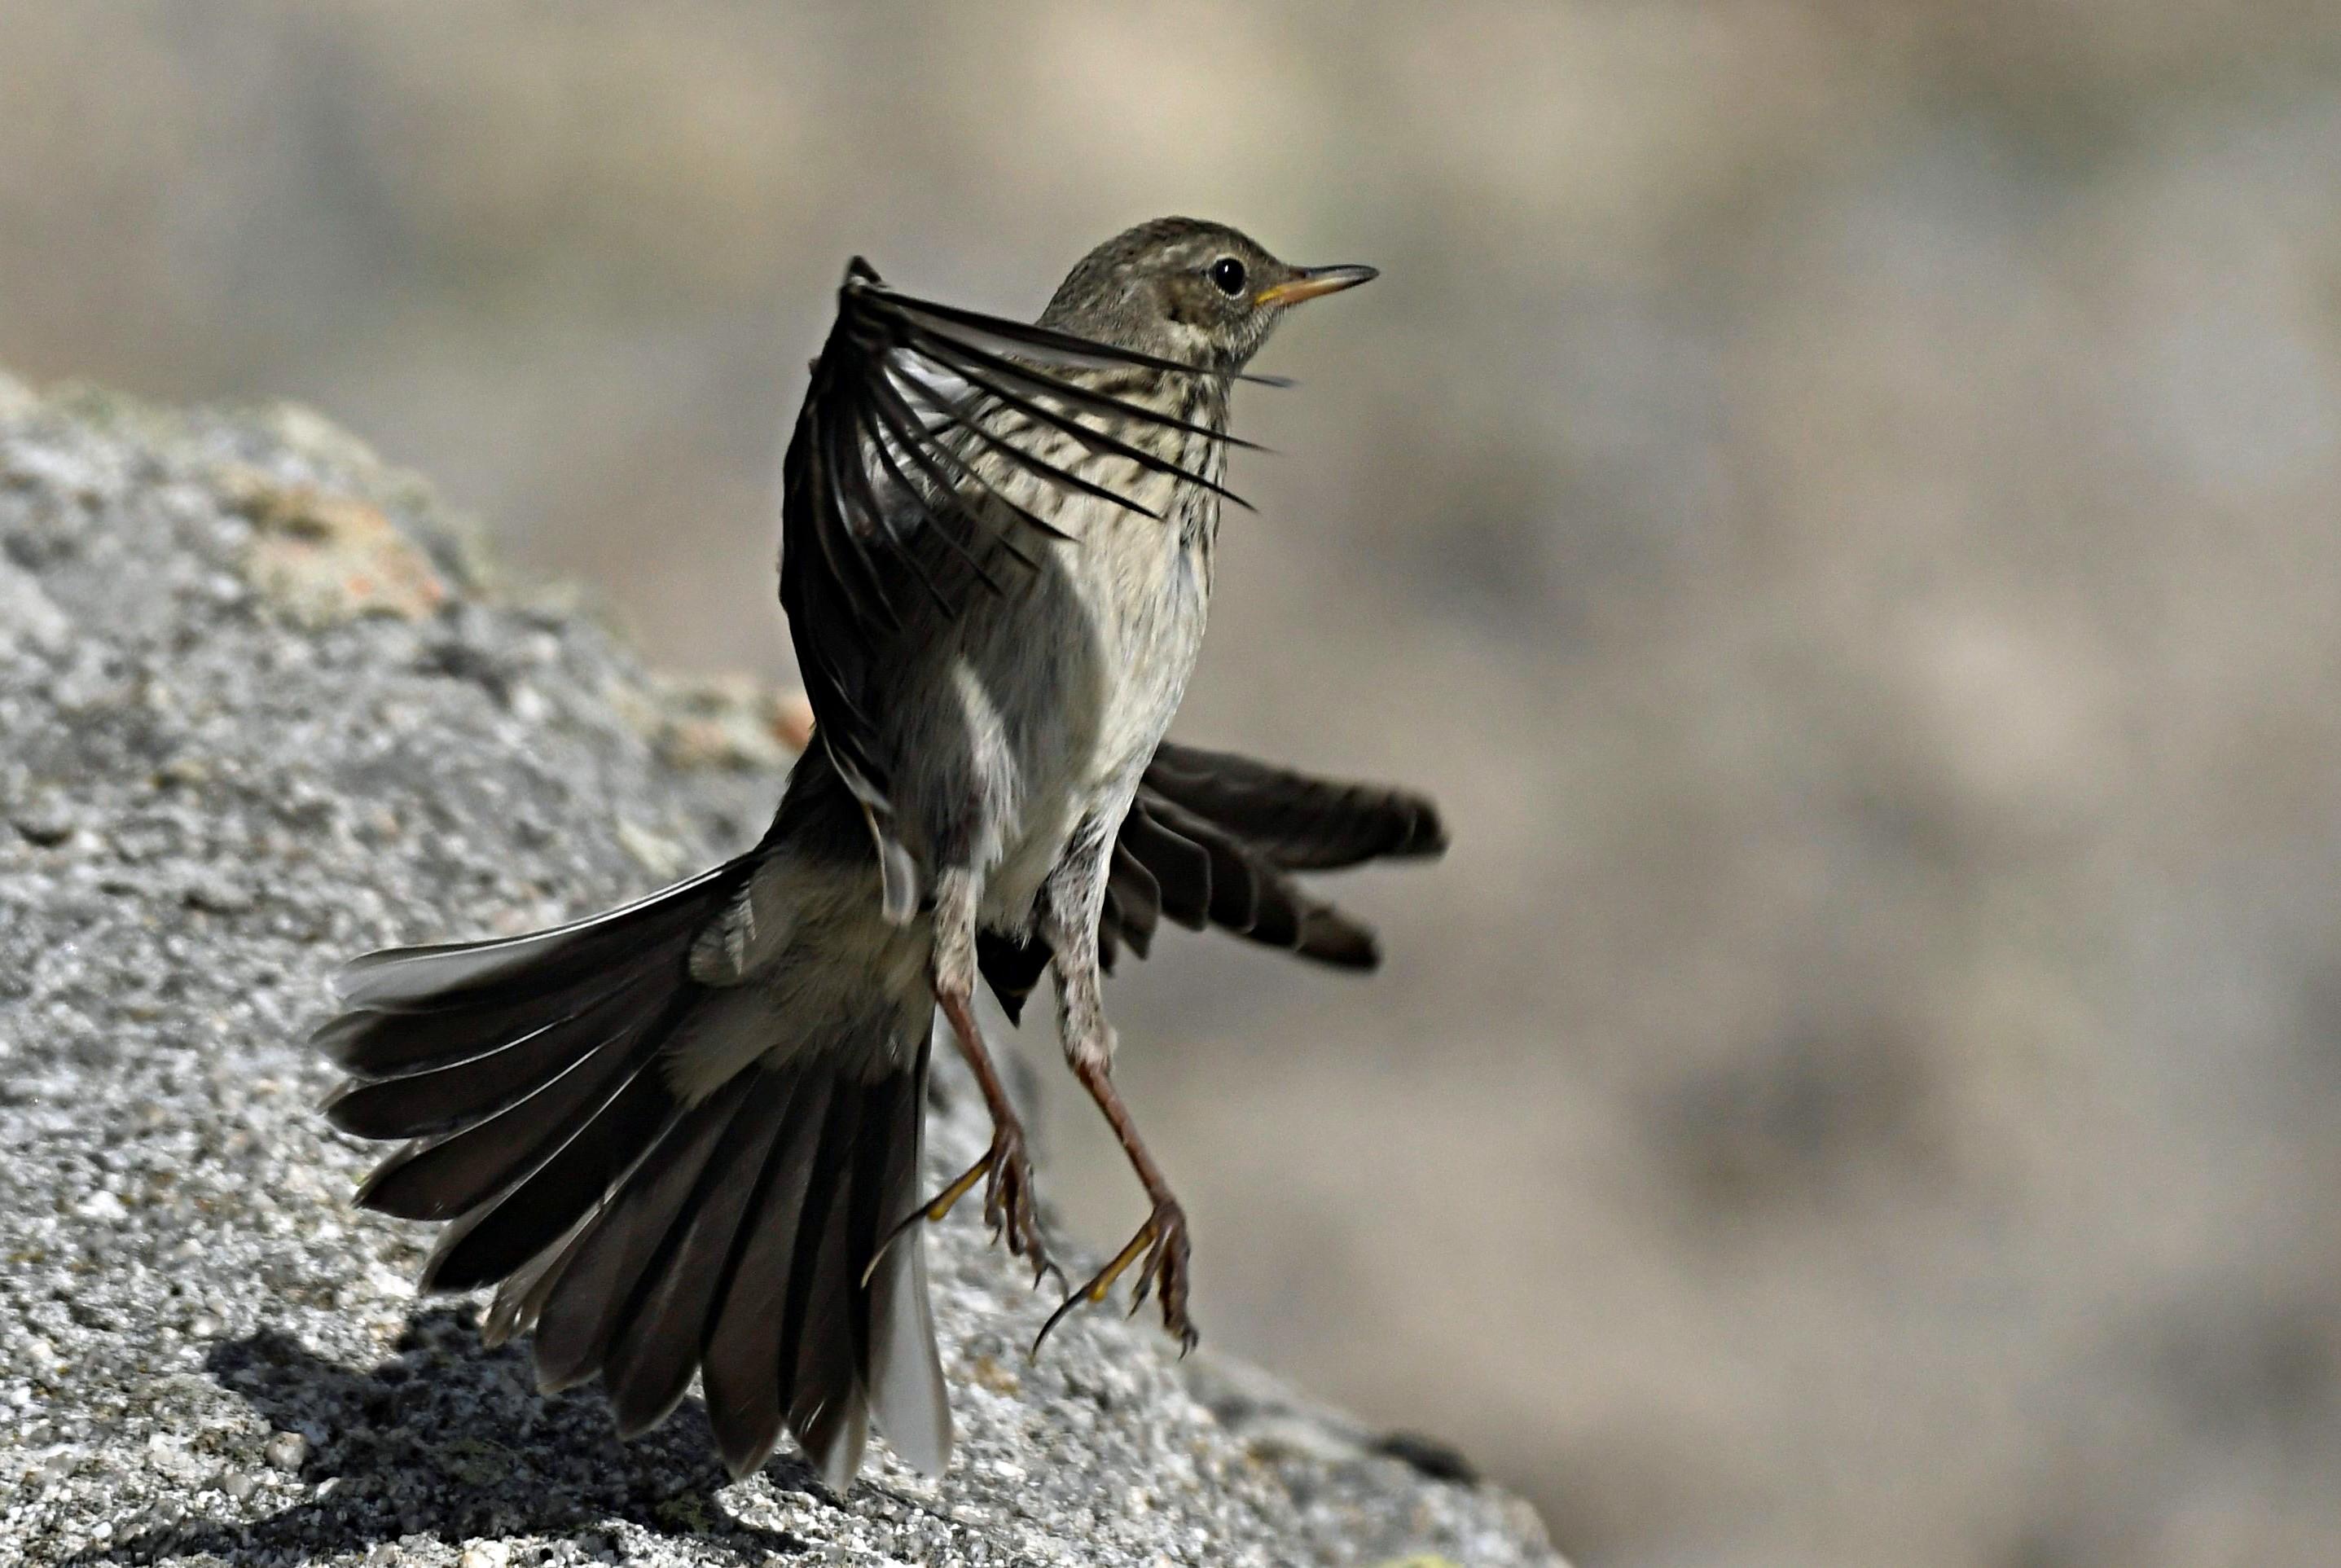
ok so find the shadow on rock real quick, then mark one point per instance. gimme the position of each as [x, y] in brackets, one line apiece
[451, 1440]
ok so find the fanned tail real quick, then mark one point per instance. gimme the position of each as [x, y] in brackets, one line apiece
[644, 1235]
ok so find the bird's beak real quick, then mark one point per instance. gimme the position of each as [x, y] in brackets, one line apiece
[1313, 281]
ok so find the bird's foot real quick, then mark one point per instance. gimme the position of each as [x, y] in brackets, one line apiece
[1009, 1207]
[1162, 1244]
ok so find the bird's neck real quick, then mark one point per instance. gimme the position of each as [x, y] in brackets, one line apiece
[1203, 401]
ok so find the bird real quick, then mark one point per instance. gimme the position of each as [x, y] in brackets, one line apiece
[684, 1137]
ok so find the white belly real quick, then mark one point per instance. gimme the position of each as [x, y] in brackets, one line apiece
[1035, 710]
[1118, 666]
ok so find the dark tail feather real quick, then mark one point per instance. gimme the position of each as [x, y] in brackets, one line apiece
[740, 1354]
[671, 1227]
[643, 1238]
[445, 1178]
[392, 1045]
[537, 966]
[463, 1093]
[901, 1369]
[821, 1344]
[515, 1038]
[736, 1247]
[645, 1338]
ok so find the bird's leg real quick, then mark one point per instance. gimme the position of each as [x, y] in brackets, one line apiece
[1160, 1242]
[1160, 1248]
[1006, 1167]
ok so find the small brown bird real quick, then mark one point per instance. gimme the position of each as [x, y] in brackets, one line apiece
[685, 1136]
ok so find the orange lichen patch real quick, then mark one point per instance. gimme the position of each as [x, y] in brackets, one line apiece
[729, 722]
[325, 557]
[988, 1371]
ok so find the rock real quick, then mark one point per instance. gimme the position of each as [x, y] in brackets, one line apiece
[27, 619]
[324, 556]
[271, 716]
[727, 722]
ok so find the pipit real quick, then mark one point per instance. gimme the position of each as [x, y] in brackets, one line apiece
[684, 1136]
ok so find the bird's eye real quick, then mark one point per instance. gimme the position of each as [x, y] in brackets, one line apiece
[1228, 274]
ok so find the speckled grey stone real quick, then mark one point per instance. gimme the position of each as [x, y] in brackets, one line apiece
[206, 1357]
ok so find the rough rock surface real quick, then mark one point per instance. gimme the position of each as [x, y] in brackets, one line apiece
[259, 709]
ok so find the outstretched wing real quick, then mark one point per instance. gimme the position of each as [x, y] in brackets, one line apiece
[932, 445]
[1215, 839]
[1297, 822]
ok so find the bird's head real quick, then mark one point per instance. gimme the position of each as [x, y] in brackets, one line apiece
[1196, 292]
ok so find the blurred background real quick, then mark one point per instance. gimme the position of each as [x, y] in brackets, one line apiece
[1836, 498]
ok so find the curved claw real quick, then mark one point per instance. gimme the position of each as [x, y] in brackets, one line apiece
[1008, 1203]
[1007, 1174]
[1033, 1351]
[1162, 1240]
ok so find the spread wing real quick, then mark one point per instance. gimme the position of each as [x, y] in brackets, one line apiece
[1214, 839]
[1296, 821]
[932, 447]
